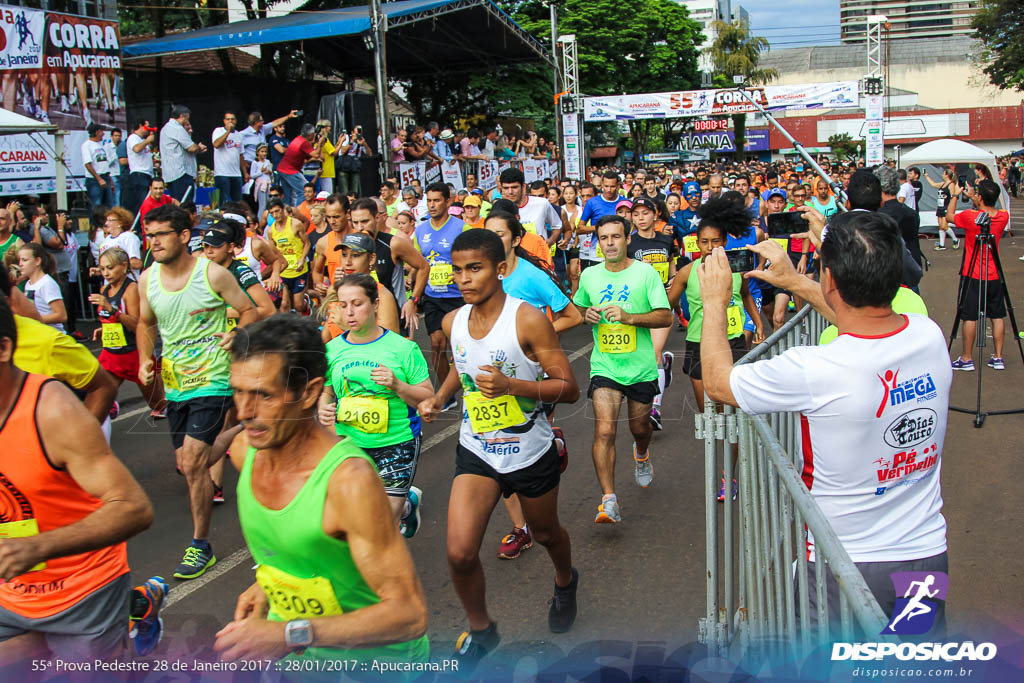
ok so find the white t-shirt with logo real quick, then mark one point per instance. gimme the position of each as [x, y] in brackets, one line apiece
[539, 216]
[95, 153]
[908, 194]
[873, 424]
[139, 162]
[226, 157]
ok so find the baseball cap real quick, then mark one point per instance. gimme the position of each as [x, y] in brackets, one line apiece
[358, 241]
[691, 188]
[322, 196]
[646, 202]
[472, 200]
[477, 190]
[454, 210]
[624, 203]
[775, 192]
[216, 238]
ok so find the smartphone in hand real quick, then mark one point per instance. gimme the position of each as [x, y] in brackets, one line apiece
[785, 224]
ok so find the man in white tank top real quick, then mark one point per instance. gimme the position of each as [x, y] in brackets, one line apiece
[507, 362]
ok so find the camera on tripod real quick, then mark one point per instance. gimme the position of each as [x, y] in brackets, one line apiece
[984, 223]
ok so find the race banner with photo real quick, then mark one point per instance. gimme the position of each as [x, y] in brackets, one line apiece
[553, 170]
[409, 171]
[534, 170]
[504, 166]
[433, 173]
[451, 173]
[57, 69]
[487, 175]
[836, 95]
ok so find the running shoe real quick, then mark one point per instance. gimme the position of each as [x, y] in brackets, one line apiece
[146, 626]
[78, 336]
[64, 106]
[411, 522]
[115, 410]
[956, 244]
[655, 418]
[940, 247]
[666, 363]
[452, 403]
[158, 414]
[721, 491]
[218, 494]
[563, 605]
[472, 646]
[961, 364]
[515, 543]
[682, 322]
[644, 470]
[196, 561]
[608, 512]
[996, 363]
[563, 453]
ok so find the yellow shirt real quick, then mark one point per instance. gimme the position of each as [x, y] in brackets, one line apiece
[45, 351]
[290, 246]
[328, 160]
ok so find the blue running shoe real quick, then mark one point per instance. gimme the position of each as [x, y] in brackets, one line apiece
[411, 522]
[146, 626]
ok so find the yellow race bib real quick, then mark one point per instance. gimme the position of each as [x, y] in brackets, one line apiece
[662, 269]
[167, 373]
[735, 318]
[365, 413]
[782, 241]
[232, 323]
[22, 529]
[441, 275]
[293, 598]
[690, 244]
[113, 336]
[492, 414]
[599, 253]
[530, 227]
[616, 338]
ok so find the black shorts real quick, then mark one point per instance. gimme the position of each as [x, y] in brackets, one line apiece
[532, 481]
[586, 263]
[691, 357]
[995, 304]
[201, 418]
[434, 310]
[296, 285]
[396, 465]
[641, 392]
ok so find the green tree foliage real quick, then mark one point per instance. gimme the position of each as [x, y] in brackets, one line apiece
[999, 24]
[843, 146]
[737, 53]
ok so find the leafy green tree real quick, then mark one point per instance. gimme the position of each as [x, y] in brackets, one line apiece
[843, 146]
[737, 53]
[999, 24]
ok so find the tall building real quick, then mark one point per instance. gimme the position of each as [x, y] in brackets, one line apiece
[706, 12]
[907, 18]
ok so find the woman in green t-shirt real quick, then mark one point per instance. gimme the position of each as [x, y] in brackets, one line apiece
[375, 380]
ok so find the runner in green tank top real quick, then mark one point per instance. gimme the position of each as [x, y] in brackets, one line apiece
[719, 219]
[188, 298]
[334, 580]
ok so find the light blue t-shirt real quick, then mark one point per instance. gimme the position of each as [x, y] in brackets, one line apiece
[529, 283]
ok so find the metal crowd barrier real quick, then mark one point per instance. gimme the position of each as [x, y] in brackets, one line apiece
[756, 546]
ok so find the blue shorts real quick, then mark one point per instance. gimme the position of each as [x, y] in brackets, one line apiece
[296, 285]
[748, 325]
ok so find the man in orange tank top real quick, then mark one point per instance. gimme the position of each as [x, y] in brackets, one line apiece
[67, 505]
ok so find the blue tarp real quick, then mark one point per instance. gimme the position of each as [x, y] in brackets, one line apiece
[458, 31]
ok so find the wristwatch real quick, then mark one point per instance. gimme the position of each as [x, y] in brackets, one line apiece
[298, 633]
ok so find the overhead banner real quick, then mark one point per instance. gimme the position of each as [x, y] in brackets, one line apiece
[837, 95]
[62, 69]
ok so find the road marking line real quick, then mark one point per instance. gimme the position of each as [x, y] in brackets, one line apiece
[183, 590]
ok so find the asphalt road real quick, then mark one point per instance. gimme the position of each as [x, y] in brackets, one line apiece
[641, 582]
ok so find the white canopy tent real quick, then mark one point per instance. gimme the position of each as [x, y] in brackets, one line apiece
[939, 153]
[12, 123]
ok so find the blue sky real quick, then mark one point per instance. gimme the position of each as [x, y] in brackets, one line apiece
[794, 23]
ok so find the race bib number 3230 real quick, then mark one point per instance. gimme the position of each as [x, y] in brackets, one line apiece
[616, 338]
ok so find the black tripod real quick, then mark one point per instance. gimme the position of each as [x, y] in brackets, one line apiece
[985, 242]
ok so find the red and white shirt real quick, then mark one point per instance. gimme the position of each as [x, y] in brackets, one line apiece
[873, 421]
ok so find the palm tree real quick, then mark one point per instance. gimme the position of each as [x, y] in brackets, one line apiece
[736, 53]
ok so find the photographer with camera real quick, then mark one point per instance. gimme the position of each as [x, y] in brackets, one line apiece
[306, 146]
[350, 148]
[978, 223]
